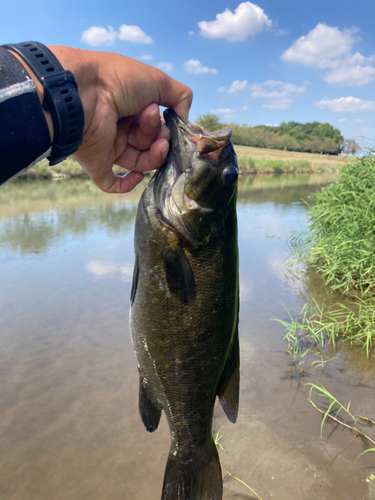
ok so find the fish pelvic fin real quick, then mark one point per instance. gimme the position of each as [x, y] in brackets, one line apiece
[193, 479]
[149, 411]
[229, 385]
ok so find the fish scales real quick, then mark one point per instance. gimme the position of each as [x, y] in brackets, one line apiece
[184, 314]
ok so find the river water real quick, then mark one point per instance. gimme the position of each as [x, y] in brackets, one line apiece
[69, 424]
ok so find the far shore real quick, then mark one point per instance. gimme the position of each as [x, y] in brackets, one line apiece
[250, 160]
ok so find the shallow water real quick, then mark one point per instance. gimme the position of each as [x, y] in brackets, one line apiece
[69, 424]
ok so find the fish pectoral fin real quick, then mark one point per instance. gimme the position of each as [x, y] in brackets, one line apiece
[229, 385]
[178, 274]
[135, 280]
[149, 411]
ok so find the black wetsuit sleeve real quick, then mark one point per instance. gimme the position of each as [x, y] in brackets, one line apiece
[24, 134]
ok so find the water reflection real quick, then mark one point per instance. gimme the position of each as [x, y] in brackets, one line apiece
[40, 226]
[69, 384]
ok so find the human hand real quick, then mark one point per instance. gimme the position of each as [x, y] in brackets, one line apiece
[121, 98]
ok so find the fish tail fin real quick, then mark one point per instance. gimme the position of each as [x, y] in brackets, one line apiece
[193, 480]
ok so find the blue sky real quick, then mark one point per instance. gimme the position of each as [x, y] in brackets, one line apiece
[254, 63]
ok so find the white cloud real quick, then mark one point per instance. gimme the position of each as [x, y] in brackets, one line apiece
[96, 35]
[321, 46]
[276, 94]
[351, 74]
[346, 105]
[196, 67]
[191, 33]
[247, 20]
[281, 32]
[237, 86]
[328, 47]
[165, 66]
[245, 108]
[222, 111]
[146, 57]
[133, 34]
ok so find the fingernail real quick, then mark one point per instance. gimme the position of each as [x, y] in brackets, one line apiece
[164, 132]
[164, 151]
[154, 118]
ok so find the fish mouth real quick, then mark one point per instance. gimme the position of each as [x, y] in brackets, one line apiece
[191, 136]
[188, 142]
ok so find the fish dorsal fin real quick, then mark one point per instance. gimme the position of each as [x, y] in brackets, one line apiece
[178, 274]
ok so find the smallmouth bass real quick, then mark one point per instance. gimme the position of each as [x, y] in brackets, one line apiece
[185, 301]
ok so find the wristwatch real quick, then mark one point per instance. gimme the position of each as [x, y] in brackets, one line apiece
[61, 98]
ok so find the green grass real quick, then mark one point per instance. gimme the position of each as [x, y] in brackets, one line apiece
[69, 168]
[315, 329]
[339, 245]
[350, 420]
[262, 160]
[340, 241]
[257, 165]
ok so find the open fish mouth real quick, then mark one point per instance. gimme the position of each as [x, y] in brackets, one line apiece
[189, 186]
[191, 137]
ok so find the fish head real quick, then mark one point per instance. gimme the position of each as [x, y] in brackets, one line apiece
[196, 188]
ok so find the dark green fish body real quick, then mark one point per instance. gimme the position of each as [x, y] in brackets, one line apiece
[184, 314]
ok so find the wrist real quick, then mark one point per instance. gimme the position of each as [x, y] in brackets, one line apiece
[39, 91]
[85, 73]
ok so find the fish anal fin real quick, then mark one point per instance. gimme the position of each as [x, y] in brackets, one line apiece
[149, 411]
[178, 274]
[229, 385]
[135, 280]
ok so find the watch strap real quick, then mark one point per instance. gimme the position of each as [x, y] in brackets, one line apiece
[61, 97]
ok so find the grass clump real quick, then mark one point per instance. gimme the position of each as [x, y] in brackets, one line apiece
[275, 166]
[339, 245]
[349, 421]
[316, 329]
[340, 241]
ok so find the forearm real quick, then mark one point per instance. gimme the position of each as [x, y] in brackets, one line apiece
[24, 134]
[39, 91]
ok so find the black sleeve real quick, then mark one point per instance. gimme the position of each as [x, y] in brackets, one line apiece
[24, 134]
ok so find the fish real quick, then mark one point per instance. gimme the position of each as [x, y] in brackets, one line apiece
[185, 303]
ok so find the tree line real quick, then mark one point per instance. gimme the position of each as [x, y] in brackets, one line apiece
[312, 137]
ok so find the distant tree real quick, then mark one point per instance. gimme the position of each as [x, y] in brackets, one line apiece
[210, 122]
[285, 142]
[350, 147]
[313, 145]
[330, 147]
[312, 137]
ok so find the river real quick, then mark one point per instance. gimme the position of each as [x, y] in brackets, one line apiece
[69, 423]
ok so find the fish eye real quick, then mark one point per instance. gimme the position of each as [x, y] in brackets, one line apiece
[230, 175]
